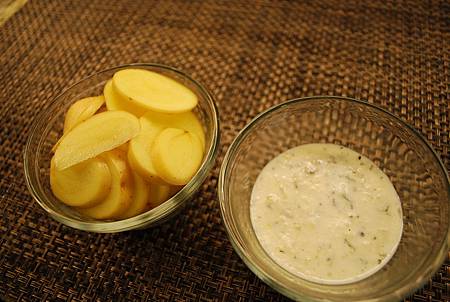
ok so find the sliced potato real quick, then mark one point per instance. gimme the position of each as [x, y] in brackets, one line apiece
[154, 91]
[158, 194]
[176, 155]
[140, 197]
[152, 123]
[186, 120]
[139, 150]
[112, 100]
[82, 185]
[102, 132]
[115, 101]
[119, 198]
[79, 112]
[82, 110]
[55, 146]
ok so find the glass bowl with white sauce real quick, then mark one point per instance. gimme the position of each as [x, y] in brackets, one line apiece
[335, 199]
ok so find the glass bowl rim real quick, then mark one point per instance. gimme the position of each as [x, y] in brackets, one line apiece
[244, 132]
[154, 215]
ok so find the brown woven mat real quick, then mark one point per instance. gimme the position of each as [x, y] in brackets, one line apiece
[251, 55]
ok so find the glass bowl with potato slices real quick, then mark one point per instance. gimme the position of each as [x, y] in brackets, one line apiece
[122, 149]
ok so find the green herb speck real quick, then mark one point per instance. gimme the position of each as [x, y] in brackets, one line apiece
[349, 178]
[349, 244]
[348, 200]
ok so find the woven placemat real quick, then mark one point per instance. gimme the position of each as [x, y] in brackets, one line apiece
[250, 55]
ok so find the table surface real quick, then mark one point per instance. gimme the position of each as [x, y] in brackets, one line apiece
[251, 55]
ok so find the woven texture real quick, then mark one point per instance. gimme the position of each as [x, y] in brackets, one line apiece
[251, 56]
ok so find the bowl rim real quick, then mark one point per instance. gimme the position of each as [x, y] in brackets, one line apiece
[156, 214]
[244, 255]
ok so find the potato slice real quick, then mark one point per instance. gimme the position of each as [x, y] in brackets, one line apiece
[112, 100]
[176, 155]
[115, 101]
[187, 121]
[140, 197]
[102, 132]
[159, 194]
[139, 150]
[82, 110]
[154, 91]
[119, 198]
[55, 146]
[82, 185]
[152, 123]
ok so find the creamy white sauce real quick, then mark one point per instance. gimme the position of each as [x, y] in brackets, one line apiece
[326, 213]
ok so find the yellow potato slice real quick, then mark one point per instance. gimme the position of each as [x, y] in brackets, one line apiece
[152, 123]
[176, 155]
[115, 101]
[82, 110]
[102, 132]
[158, 195]
[55, 146]
[112, 100]
[139, 150]
[154, 91]
[187, 121]
[119, 198]
[140, 197]
[82, 185]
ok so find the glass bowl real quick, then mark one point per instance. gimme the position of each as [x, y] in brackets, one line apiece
[416, 171]
[47, 128]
